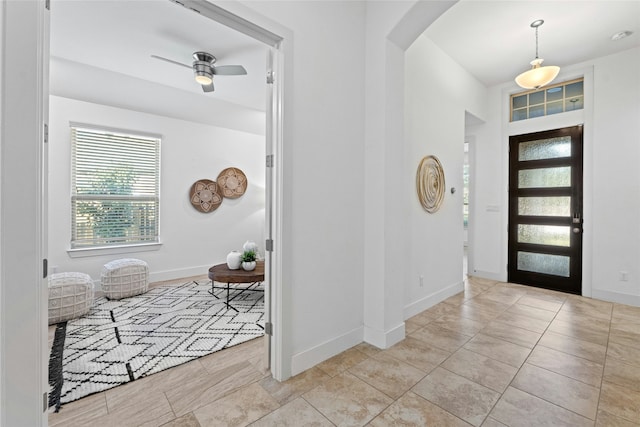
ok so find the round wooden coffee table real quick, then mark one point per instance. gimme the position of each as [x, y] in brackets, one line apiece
[222, 274]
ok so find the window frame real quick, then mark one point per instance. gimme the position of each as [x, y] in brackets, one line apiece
[151, 196]
[545, 103]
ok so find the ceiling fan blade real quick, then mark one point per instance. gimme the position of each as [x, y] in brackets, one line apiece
[229, 70]
[171, 61]
[208, 88]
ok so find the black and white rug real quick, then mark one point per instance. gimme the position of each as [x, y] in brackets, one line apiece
[121, 341]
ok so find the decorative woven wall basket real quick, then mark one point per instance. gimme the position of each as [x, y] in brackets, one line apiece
[232, 182]
[205, 195]
[430, 183]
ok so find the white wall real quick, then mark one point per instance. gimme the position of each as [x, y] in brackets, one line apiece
[438, 93]
[611, 176]
[324, 176]
[191, 241]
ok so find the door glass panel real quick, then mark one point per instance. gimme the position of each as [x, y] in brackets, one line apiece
[545, 178]
[545, 149]
[544, 206]
[554, 235]
[556, 265]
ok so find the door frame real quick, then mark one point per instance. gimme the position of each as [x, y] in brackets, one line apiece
[574, 222]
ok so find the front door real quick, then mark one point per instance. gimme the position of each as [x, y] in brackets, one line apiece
[545, 209]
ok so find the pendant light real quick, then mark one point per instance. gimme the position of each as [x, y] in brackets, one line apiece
[537, 76]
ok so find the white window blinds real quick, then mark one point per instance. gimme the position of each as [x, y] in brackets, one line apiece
[115, 181]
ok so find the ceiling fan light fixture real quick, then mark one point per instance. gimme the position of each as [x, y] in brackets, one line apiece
[538, 75]
[203, 73]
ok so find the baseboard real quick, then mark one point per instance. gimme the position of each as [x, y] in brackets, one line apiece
[431, 300]
[498, 277]
[180, 273]
[382, 339]
[309, 358]
[618, 297]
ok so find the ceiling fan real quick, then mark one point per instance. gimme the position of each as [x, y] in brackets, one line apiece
[204, 70]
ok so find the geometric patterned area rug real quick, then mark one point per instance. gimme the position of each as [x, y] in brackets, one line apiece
[121, 341]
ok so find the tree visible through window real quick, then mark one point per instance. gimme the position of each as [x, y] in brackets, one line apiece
[115, 188]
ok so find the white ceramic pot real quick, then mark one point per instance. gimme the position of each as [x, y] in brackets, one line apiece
[250, 246]
[248, 266]
[234, 259]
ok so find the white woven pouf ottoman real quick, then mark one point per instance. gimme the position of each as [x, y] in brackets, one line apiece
[125, 278]
[70, 296]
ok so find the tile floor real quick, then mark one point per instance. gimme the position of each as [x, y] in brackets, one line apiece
[496, 354]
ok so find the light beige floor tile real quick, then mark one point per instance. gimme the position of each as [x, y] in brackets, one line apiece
[592, 307]
[291, 389]
[417, 353]
[423, 318]
[532, 301]
[440, 309]
[497, 349]
[624, 353]
[517, 408]
[487, 304]
[626, 312]
[237, 409]
[463, 398]
[342, 362]
[457, 323]
[501, 297]
[187, 420]
[622, 374]
[161, 420]
[477, 312]
[630, 339]
[625, 326]
[513, 334]
[565, 364]
[579, 331]
[81, 411]
[547, 295]
[593, 323]
[347, 400]
[410, 326]
[368, 349]
[230, 356]
[480, 282]
[412, 410]
[490, 422]
[205, 389]
[295, 413]
[441, 337]
[524, 322]
[558, 389]
[605, 419]
[574, 346]
[531, 312]
[457, 299]
[620, 401]
[155, 412]
[139, 391]
[387, 374]
[480, 369]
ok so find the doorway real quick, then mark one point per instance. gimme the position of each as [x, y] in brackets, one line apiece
[545, 209]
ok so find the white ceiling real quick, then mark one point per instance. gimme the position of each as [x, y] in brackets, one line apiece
[491, 39]
[120, 36]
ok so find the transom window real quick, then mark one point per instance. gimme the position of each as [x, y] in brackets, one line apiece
[115, 179]
[567, 96]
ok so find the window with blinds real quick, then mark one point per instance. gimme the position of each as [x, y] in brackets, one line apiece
[115, 180]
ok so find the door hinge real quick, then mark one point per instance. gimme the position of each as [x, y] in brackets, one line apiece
[45, 268]
[45, 402]
[268, 328]
[268, 245]
[270, 77]
[46, 133]
[269, 160]
[47, 4]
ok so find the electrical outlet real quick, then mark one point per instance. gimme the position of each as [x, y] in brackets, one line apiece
[421, 281]
[624, 276]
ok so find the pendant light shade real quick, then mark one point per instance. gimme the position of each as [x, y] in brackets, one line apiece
[538, 75]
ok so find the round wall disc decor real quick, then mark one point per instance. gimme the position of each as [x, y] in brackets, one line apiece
[232, 183]
[430, 183]
[205, 195]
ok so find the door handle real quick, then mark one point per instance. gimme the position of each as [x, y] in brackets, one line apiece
[577, 230]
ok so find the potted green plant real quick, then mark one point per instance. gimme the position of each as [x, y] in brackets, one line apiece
[248, 260]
